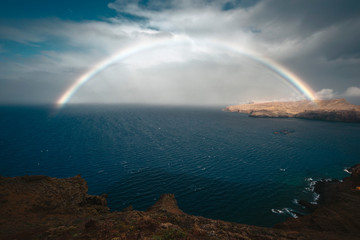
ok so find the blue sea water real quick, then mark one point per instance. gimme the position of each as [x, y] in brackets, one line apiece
[218, 164]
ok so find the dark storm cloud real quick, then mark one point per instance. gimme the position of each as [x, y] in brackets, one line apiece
[311, 16]
[329, 28]
[318, 39]
[343, 42]
[303, 19]
[161, 5]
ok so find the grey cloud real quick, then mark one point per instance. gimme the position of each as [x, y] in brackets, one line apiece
[353, 92]
[19, 35]
[317, 39]
[326, 93]
[160, 5]
[333, 25]
[38, 90]
[2, 49]
[329, 93]
[268, 23]
[79, 35]
[308, 17]
[343, 42]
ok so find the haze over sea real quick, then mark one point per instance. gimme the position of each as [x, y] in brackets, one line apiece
[218, 164]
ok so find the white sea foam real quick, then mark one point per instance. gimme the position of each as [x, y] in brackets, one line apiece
[288, 211]
[312, 184]
[316, 197]
[311, 188]
[347, 171]
[277, 211]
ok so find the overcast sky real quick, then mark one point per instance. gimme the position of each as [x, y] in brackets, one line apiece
[46, 45]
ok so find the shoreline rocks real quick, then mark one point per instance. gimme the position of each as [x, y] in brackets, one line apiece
[337, 210]
[40, 207]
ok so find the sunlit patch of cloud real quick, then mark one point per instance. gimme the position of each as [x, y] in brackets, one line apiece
[325, 94]
[352, 92]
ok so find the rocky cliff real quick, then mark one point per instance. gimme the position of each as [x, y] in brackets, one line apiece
[336, 212]
[329, 110]
[40, 207]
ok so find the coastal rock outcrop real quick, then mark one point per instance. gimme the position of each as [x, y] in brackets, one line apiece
[334, 115]
[166, 203]
[45, 195]
[338, 209]
[40, 207]
[329, 110]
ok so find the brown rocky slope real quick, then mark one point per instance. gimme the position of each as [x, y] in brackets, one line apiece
[40, 207]
[329, 110]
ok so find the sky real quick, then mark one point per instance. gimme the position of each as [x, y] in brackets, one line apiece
[202, 52]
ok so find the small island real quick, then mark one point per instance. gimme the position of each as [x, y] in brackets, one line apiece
[329, 110]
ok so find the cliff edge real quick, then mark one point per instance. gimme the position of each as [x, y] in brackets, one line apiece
[40, 207]
[329, 110]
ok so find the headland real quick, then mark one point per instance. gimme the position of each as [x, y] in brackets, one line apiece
[41, 207]
[330, 110]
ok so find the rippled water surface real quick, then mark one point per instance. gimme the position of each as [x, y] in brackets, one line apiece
[218, 164]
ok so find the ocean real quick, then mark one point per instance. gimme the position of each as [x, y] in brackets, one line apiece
[218, 164]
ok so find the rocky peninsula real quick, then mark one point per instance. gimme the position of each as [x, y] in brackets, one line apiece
[41, 207]
[330, 110]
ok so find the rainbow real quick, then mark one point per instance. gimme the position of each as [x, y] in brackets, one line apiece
[295, 81]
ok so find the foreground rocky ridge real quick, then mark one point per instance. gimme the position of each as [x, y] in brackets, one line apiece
[329, 110]
[40, 207]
